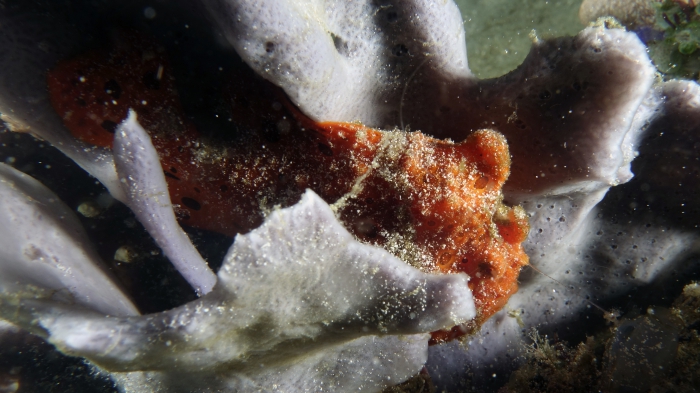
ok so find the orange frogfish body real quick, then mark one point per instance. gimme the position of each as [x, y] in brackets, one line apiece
[435, 204]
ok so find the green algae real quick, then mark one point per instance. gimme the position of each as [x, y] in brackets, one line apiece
[676, 54]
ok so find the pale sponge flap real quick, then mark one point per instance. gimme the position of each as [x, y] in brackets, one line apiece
[45, 252]
[293, 294]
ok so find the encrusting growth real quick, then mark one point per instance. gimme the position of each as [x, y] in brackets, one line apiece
[434, 203]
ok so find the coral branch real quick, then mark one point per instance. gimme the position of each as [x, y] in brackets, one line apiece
[45, 253]
[143, 182]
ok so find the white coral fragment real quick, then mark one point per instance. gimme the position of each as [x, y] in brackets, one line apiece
[146, 193]
[45, 253]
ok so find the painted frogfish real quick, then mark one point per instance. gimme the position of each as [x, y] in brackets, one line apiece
[436, 204]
